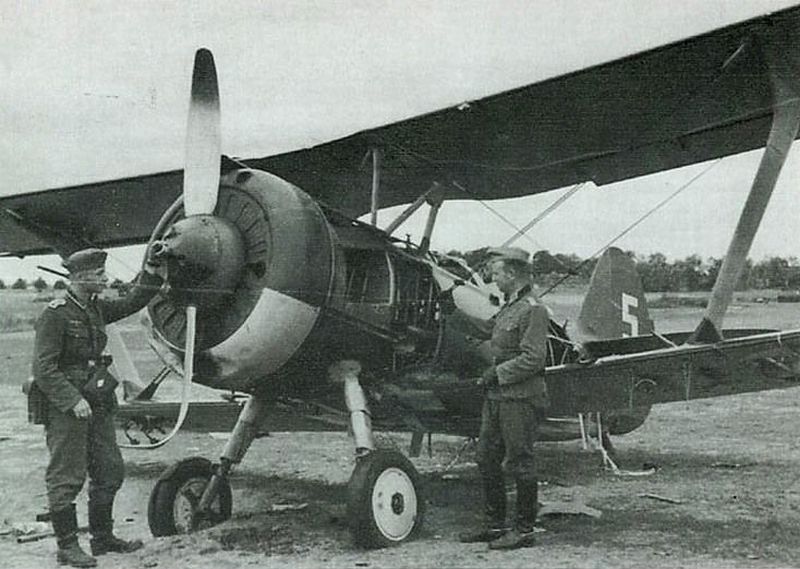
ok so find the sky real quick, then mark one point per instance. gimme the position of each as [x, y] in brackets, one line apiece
[99, 90]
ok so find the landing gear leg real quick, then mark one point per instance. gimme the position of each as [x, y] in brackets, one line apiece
[194, 493]
[385, 505]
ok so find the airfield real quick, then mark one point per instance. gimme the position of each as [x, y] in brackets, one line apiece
[726, 491]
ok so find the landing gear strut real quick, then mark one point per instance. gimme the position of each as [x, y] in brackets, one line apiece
[193, 493]
[385, 505]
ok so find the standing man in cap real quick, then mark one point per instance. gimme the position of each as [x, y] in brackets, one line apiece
[73, 396]
[514, 403]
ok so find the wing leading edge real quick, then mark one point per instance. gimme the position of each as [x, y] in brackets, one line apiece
[694, 100]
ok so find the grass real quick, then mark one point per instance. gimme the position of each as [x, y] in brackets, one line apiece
[19, 309]
[731, 462]
[672, 301]
[745, 517]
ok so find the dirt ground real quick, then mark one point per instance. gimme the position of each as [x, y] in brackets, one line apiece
[730, 468]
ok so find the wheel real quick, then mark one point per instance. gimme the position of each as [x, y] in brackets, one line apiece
[385, 504]
[174, 500]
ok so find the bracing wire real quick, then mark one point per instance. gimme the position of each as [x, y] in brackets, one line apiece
[547, 211]
[497, 214]
[638, 221]
[523, 232]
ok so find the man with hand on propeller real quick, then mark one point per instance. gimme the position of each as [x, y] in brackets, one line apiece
[515, 397]
[73, 397]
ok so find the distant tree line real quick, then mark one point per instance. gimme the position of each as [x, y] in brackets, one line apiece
[41, 285]
[692, 273]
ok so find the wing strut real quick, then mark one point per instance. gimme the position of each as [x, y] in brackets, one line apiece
[410, 210]
[376, 186]
[785, 122]
[435, 200]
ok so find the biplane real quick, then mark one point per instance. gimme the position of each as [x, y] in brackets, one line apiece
[275, 290]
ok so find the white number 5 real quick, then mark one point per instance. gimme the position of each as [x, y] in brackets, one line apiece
[628, 317]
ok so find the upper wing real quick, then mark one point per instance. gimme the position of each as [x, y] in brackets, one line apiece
[110, 213]
[694, 100]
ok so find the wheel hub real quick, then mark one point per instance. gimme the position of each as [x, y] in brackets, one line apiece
[394, 504]
[185, 511]
[398, 503]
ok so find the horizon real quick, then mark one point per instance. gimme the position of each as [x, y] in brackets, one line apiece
[120, 267]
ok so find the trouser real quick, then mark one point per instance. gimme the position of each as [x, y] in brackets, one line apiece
[508, 431]
[79, 447]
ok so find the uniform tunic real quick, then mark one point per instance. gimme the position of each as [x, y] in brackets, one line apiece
[70, 339]
[512, 410]
[519, 349]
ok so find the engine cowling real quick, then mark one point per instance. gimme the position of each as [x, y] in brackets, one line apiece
[259, 277]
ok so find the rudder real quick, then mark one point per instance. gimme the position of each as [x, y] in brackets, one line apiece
[615, 305]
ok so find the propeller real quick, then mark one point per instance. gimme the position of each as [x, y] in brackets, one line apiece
[201, 175]
[201, 167]
[204, 252]
[203, 139]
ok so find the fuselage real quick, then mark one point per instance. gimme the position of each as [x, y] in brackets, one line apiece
[314, 287]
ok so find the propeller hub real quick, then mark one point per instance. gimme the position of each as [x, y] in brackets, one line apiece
[205, 257]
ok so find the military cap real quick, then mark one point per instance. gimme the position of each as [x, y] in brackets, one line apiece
[85, 259]
[514, 253]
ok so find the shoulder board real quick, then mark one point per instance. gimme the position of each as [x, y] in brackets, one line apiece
[56, 303]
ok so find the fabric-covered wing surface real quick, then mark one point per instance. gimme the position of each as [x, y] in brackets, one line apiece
[118, 212]
[694, 100]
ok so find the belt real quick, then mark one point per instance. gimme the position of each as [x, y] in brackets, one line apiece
[101, 361]
[104, 360]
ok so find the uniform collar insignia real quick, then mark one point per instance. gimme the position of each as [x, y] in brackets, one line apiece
[74, 299]
[89, 302]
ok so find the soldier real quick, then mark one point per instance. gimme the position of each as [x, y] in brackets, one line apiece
[514, 403]
[73, 396]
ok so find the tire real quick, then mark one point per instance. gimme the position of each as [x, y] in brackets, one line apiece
[175, 497]
[385, 504]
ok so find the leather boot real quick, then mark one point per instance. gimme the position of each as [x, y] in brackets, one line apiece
[527, 503]
[101, 525]
[513, 539]
[527, 506]
[494, 494]
[65, 526]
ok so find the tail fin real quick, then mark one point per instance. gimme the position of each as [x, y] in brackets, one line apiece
[615, 305]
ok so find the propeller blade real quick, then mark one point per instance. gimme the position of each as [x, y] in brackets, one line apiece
[191, 332]
[203, 139]
[188, 372]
